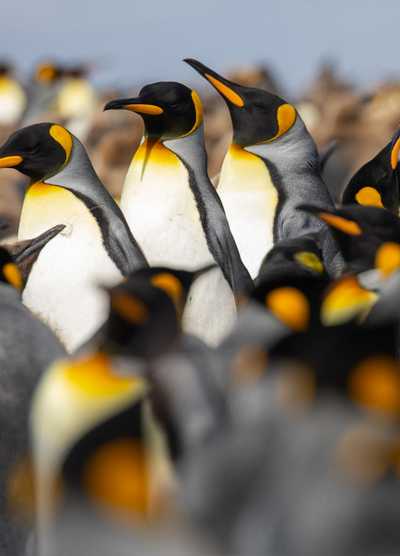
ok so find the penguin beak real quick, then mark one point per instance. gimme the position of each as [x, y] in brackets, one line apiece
[138, 105]
[333, 219]
[346, 300]
[10, 161]
[228, 90]
[25, 253]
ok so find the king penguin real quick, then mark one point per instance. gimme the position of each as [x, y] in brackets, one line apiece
[96, 245]
[271, 166]
[174, 210]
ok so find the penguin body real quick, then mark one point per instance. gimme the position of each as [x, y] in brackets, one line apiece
[272, 130]
[162, 183]
[160, 208]
[27, 348]
[88, 257]
[94, 248]
[173, 209]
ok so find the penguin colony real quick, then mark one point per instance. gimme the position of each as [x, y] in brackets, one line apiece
[196, 369]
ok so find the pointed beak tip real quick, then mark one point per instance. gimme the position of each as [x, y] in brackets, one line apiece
[196, 65]
[112, 105]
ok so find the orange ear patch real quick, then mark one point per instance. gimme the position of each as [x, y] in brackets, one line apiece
[129, 307]
[375, 384]
[63, 137]
[225, 91]
[170, 284]
[290, 306]
[369, 197]
[387, 258]
[286, 117]
[343, 224]
[394, 155]
[13, 275]
[309, 260]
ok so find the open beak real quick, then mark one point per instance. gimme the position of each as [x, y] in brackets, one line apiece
[138, 105]
[227, 89]
[26, 252]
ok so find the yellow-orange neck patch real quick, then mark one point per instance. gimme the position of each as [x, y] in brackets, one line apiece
[340, 223]
[156, 153]
[291, 306]
[94, 377]
[369, 197]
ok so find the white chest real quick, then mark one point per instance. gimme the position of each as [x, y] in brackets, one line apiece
[63, 287]
[161, 211]
[250, 201]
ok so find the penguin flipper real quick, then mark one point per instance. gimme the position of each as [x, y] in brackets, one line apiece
[231, 264]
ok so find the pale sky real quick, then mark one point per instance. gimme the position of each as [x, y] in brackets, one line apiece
[135, 41]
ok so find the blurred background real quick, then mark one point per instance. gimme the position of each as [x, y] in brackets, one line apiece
[338, 63]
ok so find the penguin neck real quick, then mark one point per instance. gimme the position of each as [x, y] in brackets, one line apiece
[293, 152]
[79, 179]
[191, 151]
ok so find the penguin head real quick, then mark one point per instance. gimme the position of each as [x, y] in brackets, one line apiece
[9, 272]
[39, 151]
[170, 110]
[257, 115]
[359, 231]
[377, 182]
[146, 311]
[300, 252]
[294, 298]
